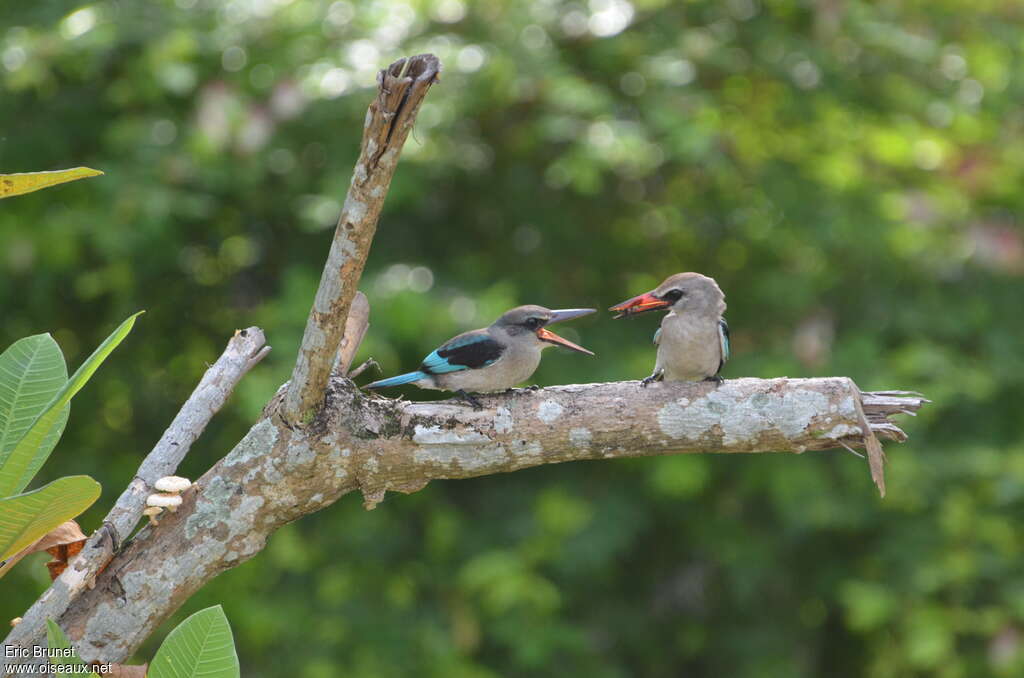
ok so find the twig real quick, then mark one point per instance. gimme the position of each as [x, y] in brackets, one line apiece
[402, 87]
[367, 364]
[851, 450]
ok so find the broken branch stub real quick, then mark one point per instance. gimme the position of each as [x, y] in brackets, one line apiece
[356, 325]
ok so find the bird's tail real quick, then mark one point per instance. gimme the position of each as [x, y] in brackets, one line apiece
[406, 378]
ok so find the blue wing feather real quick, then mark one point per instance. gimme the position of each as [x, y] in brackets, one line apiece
[470, 350]
[435, 364]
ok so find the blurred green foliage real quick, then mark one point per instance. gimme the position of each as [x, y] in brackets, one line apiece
[849, 172]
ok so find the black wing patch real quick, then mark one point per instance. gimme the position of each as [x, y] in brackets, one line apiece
[723, 337]
[466, 351]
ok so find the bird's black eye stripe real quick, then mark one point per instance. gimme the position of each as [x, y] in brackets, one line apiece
[534, 323]
[673, 295]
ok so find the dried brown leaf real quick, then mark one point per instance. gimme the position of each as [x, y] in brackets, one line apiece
[62, 542]
[64, 534]
[66, 543]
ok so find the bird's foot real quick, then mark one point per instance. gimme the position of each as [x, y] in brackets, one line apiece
[647, 381]
[531, 387]
[717, 380]
[474, 403]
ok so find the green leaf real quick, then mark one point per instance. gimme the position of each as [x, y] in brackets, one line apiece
[56, 639]
[202, 645]
[26, 182]
[27, 517]
[30, 452]
[32, 372]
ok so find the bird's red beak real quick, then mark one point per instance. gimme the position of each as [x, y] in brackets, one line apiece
[551, 337]
[639, 304]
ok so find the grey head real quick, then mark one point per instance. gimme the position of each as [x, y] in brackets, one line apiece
[528, 323]
[690, 293]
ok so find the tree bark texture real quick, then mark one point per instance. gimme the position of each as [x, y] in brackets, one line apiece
[279, 473]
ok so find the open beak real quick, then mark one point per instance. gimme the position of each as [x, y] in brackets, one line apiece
[547, 335]
[640, 304]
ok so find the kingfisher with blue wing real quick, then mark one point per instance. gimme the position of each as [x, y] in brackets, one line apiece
[494, 358]
[693, 340]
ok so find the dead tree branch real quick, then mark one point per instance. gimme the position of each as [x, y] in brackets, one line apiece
[402, 88]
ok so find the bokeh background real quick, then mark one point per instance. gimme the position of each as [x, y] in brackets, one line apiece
[849, 171]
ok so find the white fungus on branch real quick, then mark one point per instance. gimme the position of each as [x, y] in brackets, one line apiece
[172, 484]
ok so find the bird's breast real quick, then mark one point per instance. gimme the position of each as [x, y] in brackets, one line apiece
[689, 348]
[513, 367]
